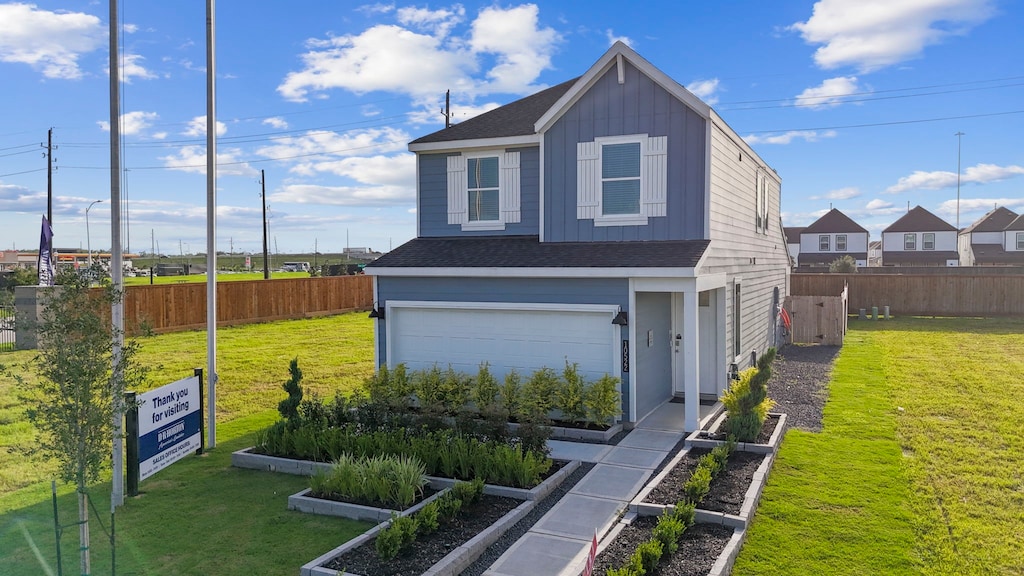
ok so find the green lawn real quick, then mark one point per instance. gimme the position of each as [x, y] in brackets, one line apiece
[920, 466]
[335, 353]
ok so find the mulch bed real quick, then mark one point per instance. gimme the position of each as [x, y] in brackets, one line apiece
[799, 383]
[427, 550]
[727, 489]
[701, 546]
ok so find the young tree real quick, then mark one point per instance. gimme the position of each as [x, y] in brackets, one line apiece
[80, 386]
[844, 265]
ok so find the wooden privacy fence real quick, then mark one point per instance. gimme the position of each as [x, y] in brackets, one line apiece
[172, 307]
[818, 319]
[921, 294]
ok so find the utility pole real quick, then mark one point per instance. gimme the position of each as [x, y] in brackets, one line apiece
[49, 185]
[116, 258]
[958, 135]
[447, 112]
[263, 195]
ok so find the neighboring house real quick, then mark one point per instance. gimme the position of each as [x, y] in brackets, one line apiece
[793, 243]
[996, 239]
[831, 237]
[875, 253]
[920, 238]
[613, 221]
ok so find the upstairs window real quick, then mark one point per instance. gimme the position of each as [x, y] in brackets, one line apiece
[910, 241]
[840, 242]
[928, 241]
[484, 190]
[761, 202]
[622, 180]
[823, 243]
[1020, 240]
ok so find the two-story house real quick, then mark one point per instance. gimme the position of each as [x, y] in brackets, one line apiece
[613, 221]
[920, 238]
[996, 239]
[831, 237]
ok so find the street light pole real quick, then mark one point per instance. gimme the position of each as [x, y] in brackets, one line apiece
[958, 135]
[88, 236]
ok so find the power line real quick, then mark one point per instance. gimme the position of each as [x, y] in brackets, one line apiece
[842, 98]
[25, 172]
[894, 123]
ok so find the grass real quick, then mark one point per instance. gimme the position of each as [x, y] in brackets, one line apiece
[335, 353]
[197, 517]
[920, 466]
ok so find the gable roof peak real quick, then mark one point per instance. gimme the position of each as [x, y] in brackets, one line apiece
[919, 219]
[834, 221]
[995, 220]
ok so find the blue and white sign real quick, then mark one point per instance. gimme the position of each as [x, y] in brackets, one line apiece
[170, 418]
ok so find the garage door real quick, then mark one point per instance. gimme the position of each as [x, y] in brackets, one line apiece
[526, 339]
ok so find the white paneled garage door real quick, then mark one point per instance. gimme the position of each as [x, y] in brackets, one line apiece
[526, 338]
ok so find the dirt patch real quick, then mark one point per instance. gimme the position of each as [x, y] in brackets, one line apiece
[727, 489]
[701, 546]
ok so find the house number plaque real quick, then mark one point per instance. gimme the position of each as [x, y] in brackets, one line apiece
[625, 355]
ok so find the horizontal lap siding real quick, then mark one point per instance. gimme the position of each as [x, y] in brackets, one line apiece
[173, 307]
[735, 242]
[922, 294]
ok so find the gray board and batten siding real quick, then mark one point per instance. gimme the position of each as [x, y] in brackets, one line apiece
[638, 106]
[432, 199]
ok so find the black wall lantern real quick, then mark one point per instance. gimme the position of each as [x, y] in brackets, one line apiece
[620, 319]
[377, 312]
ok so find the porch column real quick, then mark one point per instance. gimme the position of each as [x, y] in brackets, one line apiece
[691, 365]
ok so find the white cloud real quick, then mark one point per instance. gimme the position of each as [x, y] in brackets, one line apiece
[130, 28]
[396, 59]
[386, 171]
[276, 122]
[192, 159]
[612, 39]
[939, 179]
[802, 218]
[437, 22]
[788, 137]
[429, 114]
[979, 205]
[345, 195]
[325, 143]
[49, 41]
[197, 127]
[522, 49]
[877, 204]
[705, 90]
[873, 34]
[159, 135]
[829, 94]
[378, 8]
[131, 67]
[839, 194]
[132, 123]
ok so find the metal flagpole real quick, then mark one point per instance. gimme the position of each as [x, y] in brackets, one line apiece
[211, 226]
[116, 271]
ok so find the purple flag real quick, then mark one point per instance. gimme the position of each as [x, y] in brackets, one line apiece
[45, 262]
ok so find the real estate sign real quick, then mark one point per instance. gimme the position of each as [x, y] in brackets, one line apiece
[170, 424]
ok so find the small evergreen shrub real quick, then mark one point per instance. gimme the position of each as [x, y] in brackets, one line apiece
[455, 390]
[668, 531]
[698, 485]
[485, 389]
[602, 402]
[684, 512]
[429, 518]
[511, 394]
[650, 554]
[289, 407]
[538, 395]
[570, 392]
[746, 401]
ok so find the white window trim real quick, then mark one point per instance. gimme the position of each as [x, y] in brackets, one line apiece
[846, 242]
[652, 202]
[1020, 240]
[909, 236]
[509, 192]
[924, 240]
[737, 320]
[828, 242]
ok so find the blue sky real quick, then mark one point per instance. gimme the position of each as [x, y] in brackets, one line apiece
[855, 103]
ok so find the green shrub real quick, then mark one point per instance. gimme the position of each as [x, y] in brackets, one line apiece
[684, 512]
[533, 435]
[378, 385]
[428, 386]
[570, 392]
[485, 389]
[668, 531]
[455, 390]
[289, 407]
[538, 393]
[697, 486]
[650, 554]
[601, 401]
[746, 401]
[511, 394]
[468, 492]
[624, 571]
[383, 480]
[401, 385]
[448, 507]
[388, 543]
[428, 517]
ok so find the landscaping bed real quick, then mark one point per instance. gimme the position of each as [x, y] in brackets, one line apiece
[427, 550]
[728, 489]
[699, 548]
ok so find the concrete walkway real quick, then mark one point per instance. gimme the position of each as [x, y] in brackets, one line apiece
[559, 542]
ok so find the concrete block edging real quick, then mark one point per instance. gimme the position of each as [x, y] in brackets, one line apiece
[699, 438]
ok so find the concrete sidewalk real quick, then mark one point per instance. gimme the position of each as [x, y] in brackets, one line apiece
[559, 542]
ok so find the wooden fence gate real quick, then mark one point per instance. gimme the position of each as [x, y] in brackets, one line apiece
[818, 319]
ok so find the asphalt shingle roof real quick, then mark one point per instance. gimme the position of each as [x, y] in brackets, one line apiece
[995, 221]
[922, 257]
[920, 220]
[530, 252]
[513, 119]
[793, 234]
[995, 254]
[833, 221]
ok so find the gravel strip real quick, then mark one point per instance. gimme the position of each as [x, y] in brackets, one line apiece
[799, 383]
[494, 551]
